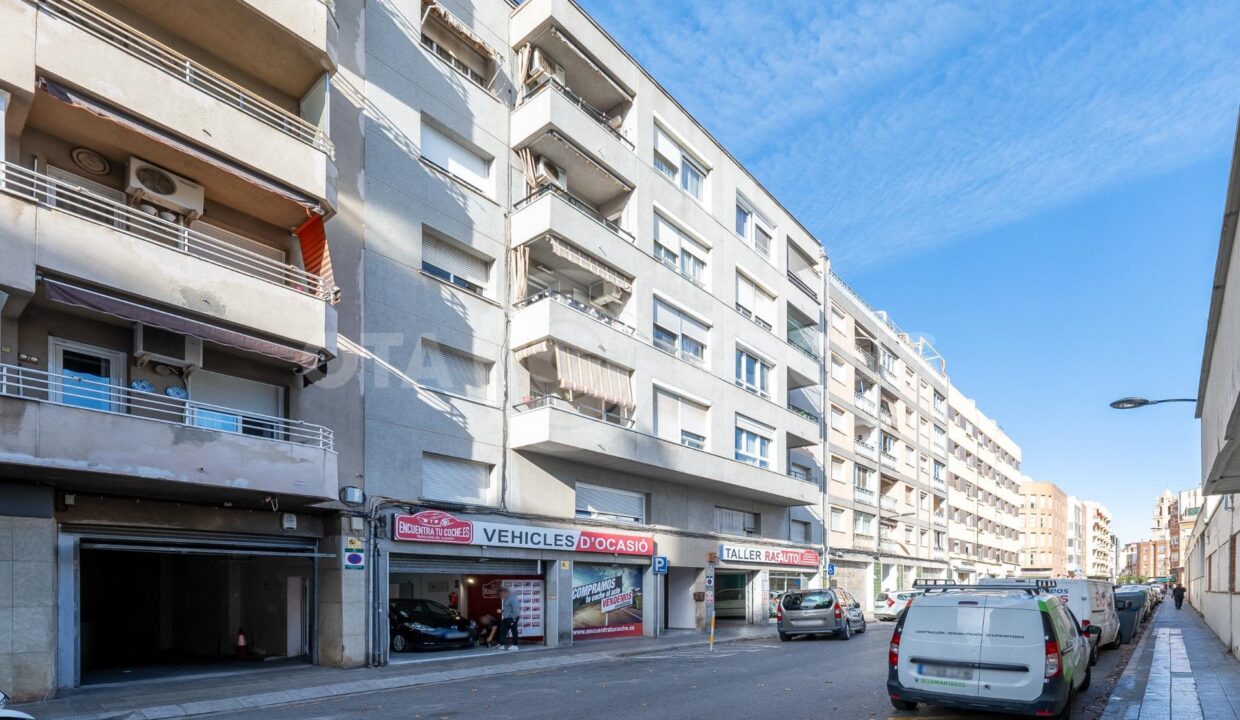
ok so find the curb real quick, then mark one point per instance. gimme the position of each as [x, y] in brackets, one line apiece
[357, 687]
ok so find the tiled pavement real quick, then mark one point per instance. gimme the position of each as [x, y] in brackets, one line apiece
[183, 697]
[1179, 671]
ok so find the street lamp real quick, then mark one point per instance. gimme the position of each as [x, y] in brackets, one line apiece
[1131, 403]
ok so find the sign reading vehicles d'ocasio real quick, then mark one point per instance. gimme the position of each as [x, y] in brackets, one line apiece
[436, 526]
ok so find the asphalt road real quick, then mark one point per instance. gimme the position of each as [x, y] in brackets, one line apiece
[804, 678]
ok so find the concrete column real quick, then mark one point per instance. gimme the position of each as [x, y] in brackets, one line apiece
[342, 600]
[563, 610]
[27, 593]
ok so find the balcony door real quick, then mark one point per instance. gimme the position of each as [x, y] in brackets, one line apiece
[85, 376]
[232, 404]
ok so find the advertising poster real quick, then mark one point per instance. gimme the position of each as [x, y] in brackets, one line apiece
[607, 601]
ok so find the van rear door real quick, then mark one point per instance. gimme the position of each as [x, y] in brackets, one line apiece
[940, 646]
[1013, 650]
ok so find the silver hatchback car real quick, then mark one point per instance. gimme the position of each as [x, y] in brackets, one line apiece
[819, 612]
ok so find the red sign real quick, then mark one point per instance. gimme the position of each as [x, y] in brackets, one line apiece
[591, 541]
[768, 555]
[433, 526]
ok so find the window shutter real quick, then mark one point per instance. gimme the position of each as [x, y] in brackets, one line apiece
[694, 329]
[666, 316]
[735, 522]
[455, 158]
[455, 480]
[455, 372]
[245, 396]
[456, 261]
[746, 292]
[667, 147]
[754, 426]
[596, 500]
[666, 233]
[666, 416]
[694, 418]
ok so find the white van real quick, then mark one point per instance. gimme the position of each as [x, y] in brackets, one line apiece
[1091, 601]
[998, 648]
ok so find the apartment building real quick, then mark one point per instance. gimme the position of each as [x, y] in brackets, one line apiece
[1098, 556]
[1147, 558]
[984, 493]
[1075, 566]
[1045, 546]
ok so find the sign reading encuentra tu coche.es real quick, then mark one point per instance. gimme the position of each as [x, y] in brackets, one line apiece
[436, 526]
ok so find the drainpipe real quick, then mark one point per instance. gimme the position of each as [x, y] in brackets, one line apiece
[825, 402]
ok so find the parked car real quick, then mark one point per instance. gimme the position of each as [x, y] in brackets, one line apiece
[888, 606]
[418, 624]
[819, 612]
[1091, 601]
[730, 603]
[996, 648]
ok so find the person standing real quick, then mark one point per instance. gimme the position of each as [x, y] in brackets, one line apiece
[510, 615]
[1178, 594]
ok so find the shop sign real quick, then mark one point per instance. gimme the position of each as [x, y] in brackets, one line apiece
[436, 526]
[767, 555]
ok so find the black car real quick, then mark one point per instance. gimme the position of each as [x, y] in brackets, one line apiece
[417, 624]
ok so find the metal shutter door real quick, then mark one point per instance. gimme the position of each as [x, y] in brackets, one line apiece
[608, 501]
[454, 260]
[460, 566]
[455, 480]
[454, 372]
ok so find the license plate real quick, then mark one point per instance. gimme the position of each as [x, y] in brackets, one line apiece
[947, 672]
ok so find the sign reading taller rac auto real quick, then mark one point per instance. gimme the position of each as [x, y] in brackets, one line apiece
[768, 555]
[436, 526]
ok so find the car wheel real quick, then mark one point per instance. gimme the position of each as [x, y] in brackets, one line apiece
[1089, 676]
[862, 626]
[400, 644]
[846, 633]
[785, 636]
[907, 705]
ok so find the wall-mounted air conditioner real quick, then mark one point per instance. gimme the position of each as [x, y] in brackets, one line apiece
[605, 293]
[152, 344]
[541, 64]
[154, 185]
[548, 173]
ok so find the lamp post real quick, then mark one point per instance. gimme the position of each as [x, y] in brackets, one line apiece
[1132, 403]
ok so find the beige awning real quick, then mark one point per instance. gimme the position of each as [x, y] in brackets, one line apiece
[588, 262]
[593, 376]
[468, 36]
[572, 46]
[535, 349]
[584, 156]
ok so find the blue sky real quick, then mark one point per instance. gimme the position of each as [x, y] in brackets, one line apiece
[1038, 187]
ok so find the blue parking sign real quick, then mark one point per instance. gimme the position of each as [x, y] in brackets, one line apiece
[830, 569]
[660, 565]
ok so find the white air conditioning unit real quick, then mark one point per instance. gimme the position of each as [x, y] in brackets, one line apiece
[548, 173]
[154, 185]
[541, 64]
[605, 293]
[152, 344]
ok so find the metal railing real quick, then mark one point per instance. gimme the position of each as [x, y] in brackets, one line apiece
[864, 448]
[888, 460]
[798, 474]
[582, 206]
[76, 391]
[866, 358]
[888, 503]
[542, 400]
[747, 313]
[802, 285]
[885, 416]
[865, 496]
[80, 202]
[938, 553]
[938, 484]
[865, 404]
[157, 55]
[864, 539]
[804, 413]
[593, 113]
[805, 339]
[678, 269]
[585, 309]
[940, 449]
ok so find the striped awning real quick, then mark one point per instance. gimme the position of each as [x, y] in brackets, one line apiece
[593, 376]
[469, 37]
[588, 262]
[535, 349]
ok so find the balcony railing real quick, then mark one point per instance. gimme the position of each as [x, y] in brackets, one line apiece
[886, 373]
[938, 484]
[885, 416]
[888, 460]
[798, 474]
[865, 449]
[585, 309]
[802, 285]
[938, 553]
[865, 404]
[541, 400]
[805, 339]
[74, 200]
[865, 496]
[865, 357]
[75, 391]
[888, 502]
[598, 116]
[940, 449]
[582, 206]
[804, 413]
[938, 520]
[157, 55]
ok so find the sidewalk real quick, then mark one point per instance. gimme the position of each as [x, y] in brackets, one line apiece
[1179, 671]
[183, 697]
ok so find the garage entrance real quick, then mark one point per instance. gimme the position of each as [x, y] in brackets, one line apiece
[731, 596]
[157, 606]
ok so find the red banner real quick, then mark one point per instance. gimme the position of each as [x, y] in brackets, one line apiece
[436, 526]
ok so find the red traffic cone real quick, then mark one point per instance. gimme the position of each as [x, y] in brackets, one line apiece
[242, 645]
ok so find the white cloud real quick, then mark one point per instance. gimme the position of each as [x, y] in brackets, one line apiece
[891, 128]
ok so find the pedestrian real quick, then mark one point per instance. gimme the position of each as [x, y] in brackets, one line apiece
[510, 614]
[1178, 594]
[488, 629]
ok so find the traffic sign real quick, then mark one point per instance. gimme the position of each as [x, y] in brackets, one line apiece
[660, 565]
[830, 569]
[710, 581]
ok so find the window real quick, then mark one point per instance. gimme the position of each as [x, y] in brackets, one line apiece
[447, 44]
[455, 159]
[939, 401]
[735, 522]
[799, 531]
[753, 442]
[754, 303]
[678, 251]
[838, 321]
[837, 369]
[671, 160]
[447, 261]
[756, 232]
[837, 520]
[456, 480]
[753, 373]
[91, 375]
[455, 372]
[234, 404]
[604, 503]
[677, 333]
[938, 470]
[837, 469]
[863, 523]
[679, 420]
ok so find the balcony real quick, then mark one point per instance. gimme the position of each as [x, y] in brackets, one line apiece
[864, 540]
[888, 460]
[550, 208]
[605, 77]
[938, 554]
[84, 236]
[866, 405]
[110, 437]
[806, 339]
[939, 520]
[115, 63]
[563, 432]
[887, 502]
[865, 496]
[938, 484]
[552, 314]
[803, 286]
[865, 449]
[888, 545]
[867, 359]
[940, 449]
[884, 416]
